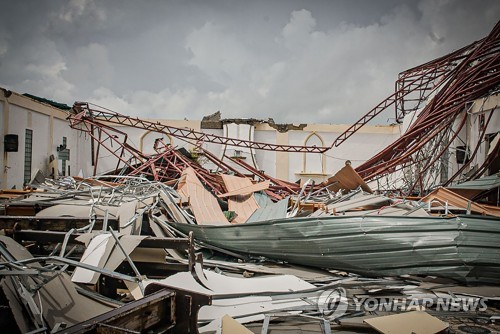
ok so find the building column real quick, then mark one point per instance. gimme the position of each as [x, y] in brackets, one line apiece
[282, 158]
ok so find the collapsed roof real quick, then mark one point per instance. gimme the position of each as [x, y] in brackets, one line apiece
[436, 96]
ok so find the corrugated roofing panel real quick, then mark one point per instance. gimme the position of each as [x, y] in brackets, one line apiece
[463, 248]
[272, 211]
[484, 183]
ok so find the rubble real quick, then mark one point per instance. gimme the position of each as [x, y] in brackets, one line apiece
[138, 234]
[161, 244]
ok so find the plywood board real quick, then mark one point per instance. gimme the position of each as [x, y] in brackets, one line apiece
[149, 255]
[71, 210]
[231, 326]
[407, 323]
[125, 214]
[204, 205]
[135, 289]
[243, 205]
[244, 308]
[129, 243]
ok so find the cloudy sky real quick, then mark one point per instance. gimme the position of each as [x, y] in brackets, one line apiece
[295, 61]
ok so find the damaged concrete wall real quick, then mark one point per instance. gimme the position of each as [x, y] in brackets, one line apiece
[361, 146]
[283, 165]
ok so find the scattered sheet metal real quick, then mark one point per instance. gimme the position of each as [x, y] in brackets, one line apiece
[262, 199]
[360, 202]
[276, 210]
[355, 233]
[471, 189]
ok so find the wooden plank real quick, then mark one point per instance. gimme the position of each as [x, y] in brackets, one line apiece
[57, 237]
[347, 179]
[443, 195]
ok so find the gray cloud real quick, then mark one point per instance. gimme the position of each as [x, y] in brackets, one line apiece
[295, 61]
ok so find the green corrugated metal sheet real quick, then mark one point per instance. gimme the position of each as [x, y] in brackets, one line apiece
[271, 211]
[464, 248]
[485, 183]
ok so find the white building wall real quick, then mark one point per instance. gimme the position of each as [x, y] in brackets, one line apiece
[357, 149]
[109, 152]
[14, 167]
[41, 143]
[49, 126]
[215, 149]
[49, 130]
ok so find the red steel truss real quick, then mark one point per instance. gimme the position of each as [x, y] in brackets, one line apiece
[412, 89]
[469, 74]
[168, 163]
[83, 112]
[164, 166]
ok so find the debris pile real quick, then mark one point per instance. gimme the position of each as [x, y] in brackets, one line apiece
[118, 243]
[162, 245]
